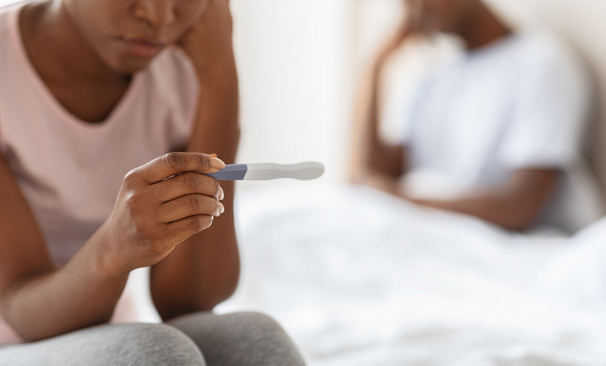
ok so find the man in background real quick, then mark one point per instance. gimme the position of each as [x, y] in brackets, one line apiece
[496, 134]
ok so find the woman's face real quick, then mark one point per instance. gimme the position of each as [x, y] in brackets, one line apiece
[128, 34]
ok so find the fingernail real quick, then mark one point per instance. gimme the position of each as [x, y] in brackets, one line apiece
[217, 163]
[221, 194]
[221, 208]
[213, 155]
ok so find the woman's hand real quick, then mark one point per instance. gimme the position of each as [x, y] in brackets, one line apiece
[209, 42]
[161, 204]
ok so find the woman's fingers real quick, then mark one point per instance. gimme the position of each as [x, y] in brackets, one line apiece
[188, 226]
[184, 184]
[187, 206]
[171, 164]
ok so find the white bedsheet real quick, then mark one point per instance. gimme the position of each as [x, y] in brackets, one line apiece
[358, 278]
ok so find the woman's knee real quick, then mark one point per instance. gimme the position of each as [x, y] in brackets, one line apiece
[246, 338]
[154, 344]
[257, 323]
[116, 345]
[229, 326]
[263, 340]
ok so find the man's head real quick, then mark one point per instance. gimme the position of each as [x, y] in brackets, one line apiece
[128, 34]
[447, 16]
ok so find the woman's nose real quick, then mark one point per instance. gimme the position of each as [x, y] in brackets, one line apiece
[157, 13]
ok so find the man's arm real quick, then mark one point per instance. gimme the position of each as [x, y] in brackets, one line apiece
[513, 206]
[376, 157]
[204, 270]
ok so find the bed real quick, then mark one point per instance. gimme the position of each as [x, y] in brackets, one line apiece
[358, 278]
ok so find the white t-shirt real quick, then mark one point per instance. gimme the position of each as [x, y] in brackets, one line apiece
[521, 102]
[71, 171]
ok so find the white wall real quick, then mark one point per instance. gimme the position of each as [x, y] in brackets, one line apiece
[295, 81]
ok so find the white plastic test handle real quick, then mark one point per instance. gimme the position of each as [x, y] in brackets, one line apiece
[268, 171]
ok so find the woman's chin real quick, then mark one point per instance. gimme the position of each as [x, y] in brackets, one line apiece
[129, 65]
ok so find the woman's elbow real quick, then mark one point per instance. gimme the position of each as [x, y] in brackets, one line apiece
[197, 301]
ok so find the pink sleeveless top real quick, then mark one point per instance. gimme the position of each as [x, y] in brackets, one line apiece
[70, 171]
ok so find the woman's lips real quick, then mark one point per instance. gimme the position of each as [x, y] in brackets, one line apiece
[142, 47]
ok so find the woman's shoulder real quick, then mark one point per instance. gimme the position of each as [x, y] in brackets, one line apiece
[7, 14]
[12, 7]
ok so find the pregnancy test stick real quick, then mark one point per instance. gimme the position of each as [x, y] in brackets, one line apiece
[301, 171]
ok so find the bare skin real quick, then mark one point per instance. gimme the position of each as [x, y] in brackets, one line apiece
[158, 222]
[207, 266]
[514, 205]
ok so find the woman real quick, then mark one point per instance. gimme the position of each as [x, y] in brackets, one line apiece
[92, 93]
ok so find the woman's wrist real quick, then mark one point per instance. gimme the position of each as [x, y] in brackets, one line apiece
[218, 73]
[101, 261]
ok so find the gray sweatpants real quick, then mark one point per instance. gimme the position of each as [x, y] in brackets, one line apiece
[197, 339]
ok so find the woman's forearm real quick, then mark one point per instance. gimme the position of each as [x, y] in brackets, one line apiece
[204, 270]
[200, 273]
[81, 294]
